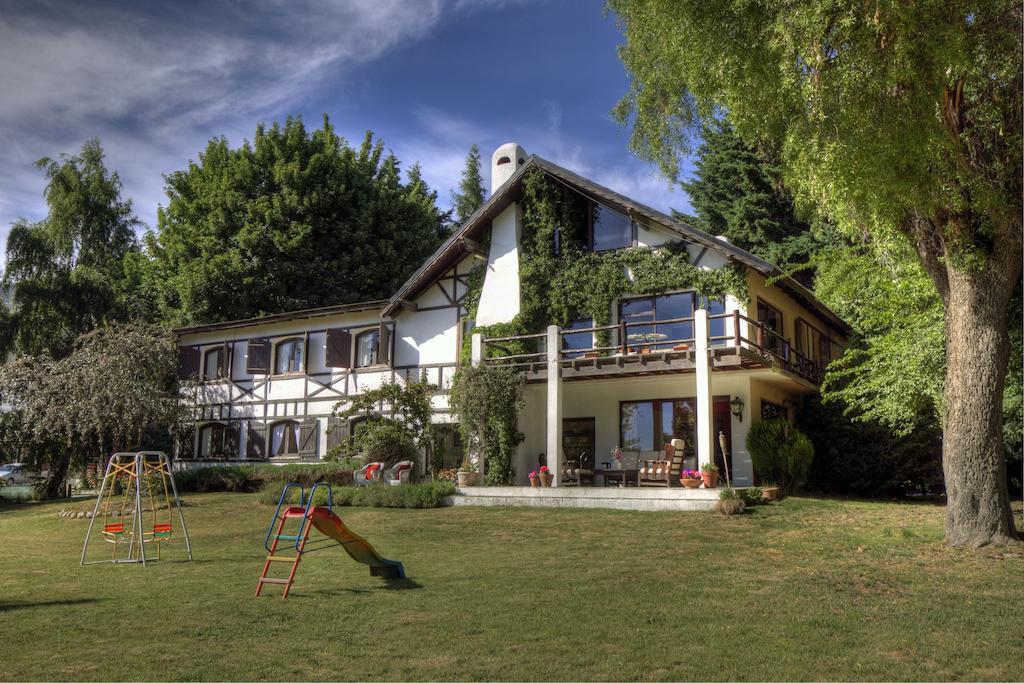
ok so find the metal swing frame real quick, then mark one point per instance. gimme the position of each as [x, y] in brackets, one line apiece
[136, 465]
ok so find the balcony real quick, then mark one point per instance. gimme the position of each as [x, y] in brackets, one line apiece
[637, 348]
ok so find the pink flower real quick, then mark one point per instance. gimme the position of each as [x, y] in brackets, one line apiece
[543, 469]
[533, 475]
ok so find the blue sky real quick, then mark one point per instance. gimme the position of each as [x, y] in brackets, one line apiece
[155, 81]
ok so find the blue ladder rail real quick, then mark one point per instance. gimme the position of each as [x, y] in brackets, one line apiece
[304, 501]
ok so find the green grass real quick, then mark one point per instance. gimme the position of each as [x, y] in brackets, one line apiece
[804, 589]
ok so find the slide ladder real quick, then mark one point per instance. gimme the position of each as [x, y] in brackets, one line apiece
[277, 553]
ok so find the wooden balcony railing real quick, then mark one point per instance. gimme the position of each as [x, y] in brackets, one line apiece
[638, 338]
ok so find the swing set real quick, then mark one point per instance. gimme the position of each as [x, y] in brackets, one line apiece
[145, 474]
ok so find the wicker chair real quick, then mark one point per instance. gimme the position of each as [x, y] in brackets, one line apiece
[399, 473]
[367, 474]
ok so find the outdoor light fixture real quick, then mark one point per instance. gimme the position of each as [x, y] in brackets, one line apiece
[737, 408]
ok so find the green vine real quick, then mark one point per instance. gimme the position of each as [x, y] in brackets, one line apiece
[487, 400]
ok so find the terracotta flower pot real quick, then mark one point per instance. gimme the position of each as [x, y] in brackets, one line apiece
[772, 493]
[710, 479]
[468, 478]
[545, 479]
[691, 483]
[535, 482]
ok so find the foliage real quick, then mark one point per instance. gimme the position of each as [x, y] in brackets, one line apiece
[780, 453]
[709, 467]
[751, 496]
[432, 494]
[116, 383]
[730, 502]
[577, 283]
[891, 120]
[66, 272]
[737, 191]
[398, 417]
[290, 221]
[866, 458]
[471, 194]
[249, 478]
[487, 400]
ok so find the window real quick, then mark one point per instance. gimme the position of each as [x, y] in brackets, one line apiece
[609, 229]
[289, 356]
[649, 425]
[211, 440]
[635, 312]
[578, 340]
[367, 344]
[284, 438]
[772, 320]
[813, 344]
[213, 364]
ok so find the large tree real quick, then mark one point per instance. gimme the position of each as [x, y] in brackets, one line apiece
[295, 219]
[66, 273]
[892, 118]
[116, 383]
[471, 194]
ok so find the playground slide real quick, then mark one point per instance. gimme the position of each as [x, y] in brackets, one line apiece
[358, 549]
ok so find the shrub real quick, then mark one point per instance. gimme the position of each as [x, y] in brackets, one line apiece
[752, 496]
[385, 440]
[424, 495]
[780, 453]
[249, 478]
[730, 502]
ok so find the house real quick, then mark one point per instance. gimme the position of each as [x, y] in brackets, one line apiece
[694, 337]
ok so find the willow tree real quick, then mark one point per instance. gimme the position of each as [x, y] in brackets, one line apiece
[893, 119]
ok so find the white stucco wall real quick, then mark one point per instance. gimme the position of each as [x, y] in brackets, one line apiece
[499, 298]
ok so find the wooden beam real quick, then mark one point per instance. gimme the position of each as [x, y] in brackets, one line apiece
[409, 305]
[474, 248]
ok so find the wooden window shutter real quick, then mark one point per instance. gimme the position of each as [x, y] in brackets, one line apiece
[232, 436]
[384, 345]
[339, 349]
[188, 363]
[225, 360]
[184, 442]
[257, 359]
[255, 442]
[307, 437]
[337, 432]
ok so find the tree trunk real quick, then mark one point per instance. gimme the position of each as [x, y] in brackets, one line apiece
[973, 458]
[54, 484]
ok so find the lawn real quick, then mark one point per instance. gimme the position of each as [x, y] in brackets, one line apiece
[803, 589]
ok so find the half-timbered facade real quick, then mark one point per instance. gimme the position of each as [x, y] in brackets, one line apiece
[265, 389]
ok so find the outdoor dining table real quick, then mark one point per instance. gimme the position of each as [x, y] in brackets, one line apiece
[619, 477]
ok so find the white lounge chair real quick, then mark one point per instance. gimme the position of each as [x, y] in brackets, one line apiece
[367, 474]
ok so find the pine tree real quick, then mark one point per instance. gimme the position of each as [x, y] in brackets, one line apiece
[737, 192]
[471, 194]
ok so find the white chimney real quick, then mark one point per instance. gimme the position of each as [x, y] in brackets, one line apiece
[504, 162]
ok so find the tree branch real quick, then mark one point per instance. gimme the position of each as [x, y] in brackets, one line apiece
[926, 238]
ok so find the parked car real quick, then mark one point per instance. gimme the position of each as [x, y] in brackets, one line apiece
[16, 473]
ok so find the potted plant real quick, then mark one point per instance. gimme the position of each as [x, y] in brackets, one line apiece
[616, 458]
[771, 491]
[730, 502]
[691, 479]
[534, 479]
[545, 476]
[709, 473]
[467, 475]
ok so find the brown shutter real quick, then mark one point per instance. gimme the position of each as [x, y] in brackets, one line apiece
[255, 443]
[232, 436]
[384, 345]
[339, 349]
[184, 442]
[225, 360]
[188, 363]
[257, 360]
[337, 432]
[307, 437]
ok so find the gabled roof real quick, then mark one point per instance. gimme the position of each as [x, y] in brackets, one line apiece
[454, 248]
[284, 317]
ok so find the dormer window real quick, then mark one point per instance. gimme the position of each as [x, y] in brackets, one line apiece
[289, 356]
[610, 229]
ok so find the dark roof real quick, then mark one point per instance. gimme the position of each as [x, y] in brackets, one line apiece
[291, 315]
[453, 249]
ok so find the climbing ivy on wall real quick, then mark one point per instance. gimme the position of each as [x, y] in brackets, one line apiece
[560, 286]
[562, 280]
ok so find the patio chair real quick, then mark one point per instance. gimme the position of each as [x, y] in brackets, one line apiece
[654, 472]
[399, 473]
[367, 474]
[570, 472]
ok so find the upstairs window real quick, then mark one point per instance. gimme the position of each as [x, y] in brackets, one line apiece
[367, 344]
[575, 343]
[289, 356]
[213, 364]
[609, 229]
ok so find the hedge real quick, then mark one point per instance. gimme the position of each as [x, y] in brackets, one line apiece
[431, 494]
[250, 478]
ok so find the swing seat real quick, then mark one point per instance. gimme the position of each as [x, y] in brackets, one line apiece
[162, 531]
[114, 533]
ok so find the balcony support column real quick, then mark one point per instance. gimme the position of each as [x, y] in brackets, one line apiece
[702, 358]
[553, 444]
[476, 358]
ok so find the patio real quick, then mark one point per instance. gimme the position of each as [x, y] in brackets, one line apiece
[611, 498]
